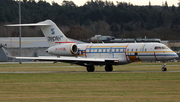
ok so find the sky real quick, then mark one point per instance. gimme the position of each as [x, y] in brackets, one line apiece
[134, 2]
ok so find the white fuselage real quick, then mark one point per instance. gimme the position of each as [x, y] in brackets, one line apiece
[127, 52]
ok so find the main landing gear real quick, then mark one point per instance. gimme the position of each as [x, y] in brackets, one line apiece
[108, 68]
[164, 66]
[91, 68]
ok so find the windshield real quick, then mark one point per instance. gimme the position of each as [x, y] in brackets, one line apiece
[161, 47]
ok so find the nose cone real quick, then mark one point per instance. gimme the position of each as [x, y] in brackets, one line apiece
[173, 56]
[170, 56]
[176, 56]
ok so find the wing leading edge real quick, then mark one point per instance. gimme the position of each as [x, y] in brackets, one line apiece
[71, 59]
[68, 59]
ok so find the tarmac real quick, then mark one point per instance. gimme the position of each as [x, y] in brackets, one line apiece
[83, 71]
[93, 72]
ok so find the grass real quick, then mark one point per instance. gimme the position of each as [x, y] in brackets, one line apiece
[89, 87]
[141, 66]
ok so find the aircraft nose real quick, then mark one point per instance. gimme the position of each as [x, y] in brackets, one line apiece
[176, 56]
[172, 56]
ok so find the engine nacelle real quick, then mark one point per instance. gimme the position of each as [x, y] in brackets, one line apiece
[63, 50]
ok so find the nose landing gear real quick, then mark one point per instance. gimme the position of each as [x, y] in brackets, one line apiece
[164, 66]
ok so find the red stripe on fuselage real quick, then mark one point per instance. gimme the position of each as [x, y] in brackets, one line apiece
[65, 42]
[155, 56]
[125, 54]
[85, 50]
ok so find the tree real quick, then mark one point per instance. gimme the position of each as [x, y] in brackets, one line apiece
[77, 32]
[68, 3]
[150, 6]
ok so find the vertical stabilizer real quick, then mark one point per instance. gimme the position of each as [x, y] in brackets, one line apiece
[52, 33]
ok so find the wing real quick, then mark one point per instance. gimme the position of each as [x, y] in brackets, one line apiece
[75, 60]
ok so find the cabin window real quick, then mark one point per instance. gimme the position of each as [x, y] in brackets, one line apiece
[116, 50]
[123, 50]
[145, 49]
[104, 50]
[97, 50]
[110, 50]
[132, 50]
[113, 50]
[119, 50]
[100, 50]
[136, 49]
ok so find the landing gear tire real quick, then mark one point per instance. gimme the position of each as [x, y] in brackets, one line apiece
[164, 66]
[108, 68]
[90, 68]
[164, 69]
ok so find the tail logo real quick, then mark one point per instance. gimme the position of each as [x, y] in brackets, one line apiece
[52, 31]
[54, 38]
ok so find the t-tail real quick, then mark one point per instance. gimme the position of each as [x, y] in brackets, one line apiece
[52, 33]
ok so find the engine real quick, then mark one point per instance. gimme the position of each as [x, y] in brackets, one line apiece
[63, 50]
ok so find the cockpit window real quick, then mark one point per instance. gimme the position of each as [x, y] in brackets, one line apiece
[164, 48]
[159, 47]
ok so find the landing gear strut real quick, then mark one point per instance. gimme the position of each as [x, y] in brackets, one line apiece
[90, 68]
[108, 68]
[164, 66]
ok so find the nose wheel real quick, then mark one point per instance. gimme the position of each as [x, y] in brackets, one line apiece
[164, 66]
[164, 69]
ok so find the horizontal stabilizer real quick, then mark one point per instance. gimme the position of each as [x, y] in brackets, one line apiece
[34, 24]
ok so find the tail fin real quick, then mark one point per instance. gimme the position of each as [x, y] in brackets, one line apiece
[4, 54]
[52, 33]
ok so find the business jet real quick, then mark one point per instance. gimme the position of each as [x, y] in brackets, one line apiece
[89, 54]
